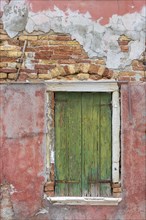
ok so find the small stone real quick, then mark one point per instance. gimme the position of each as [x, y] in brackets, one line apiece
[83, 76]
[101, 70]
[3, 75]
[49, 186]
[45, 76]
[93, 69]
[95, 77]
[84, 67]
[70, 69]
[108, 73]
[12, 75]
[117, 190]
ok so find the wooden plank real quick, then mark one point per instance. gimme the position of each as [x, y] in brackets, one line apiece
[74, 143]
[68, 144]
[105, 143]
[61, 149]
[90, 131]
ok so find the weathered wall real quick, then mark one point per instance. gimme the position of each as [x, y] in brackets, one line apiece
[82, 49]
[23, 145]
[23, 156]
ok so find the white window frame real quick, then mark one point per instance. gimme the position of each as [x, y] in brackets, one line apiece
[87, 86]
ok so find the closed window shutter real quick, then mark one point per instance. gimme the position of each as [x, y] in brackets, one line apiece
[82, 144]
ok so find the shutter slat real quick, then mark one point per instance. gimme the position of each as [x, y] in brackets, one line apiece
[105, 144]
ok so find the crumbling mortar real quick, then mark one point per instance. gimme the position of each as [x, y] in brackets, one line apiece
[97, 40]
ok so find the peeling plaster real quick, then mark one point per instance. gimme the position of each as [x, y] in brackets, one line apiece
[97, 40]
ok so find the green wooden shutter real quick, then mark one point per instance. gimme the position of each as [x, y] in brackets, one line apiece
[68, 144]
[83, 144]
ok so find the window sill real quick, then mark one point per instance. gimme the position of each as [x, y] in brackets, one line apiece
[84, 201]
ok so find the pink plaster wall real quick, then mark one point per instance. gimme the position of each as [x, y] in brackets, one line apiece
[97, 9]
[23, 145]
[23, 155]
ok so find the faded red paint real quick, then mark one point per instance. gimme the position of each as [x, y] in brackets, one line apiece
[97, 9]
[23, 159]
[22, 145]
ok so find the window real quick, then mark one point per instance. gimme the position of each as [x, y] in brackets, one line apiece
[83, 147]
[85, 139]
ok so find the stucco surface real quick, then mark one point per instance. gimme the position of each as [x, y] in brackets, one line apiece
[23, 145]
[23, 156]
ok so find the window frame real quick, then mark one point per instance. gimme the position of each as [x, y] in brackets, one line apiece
[85, 86]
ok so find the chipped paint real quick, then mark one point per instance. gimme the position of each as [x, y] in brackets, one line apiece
[97, 40]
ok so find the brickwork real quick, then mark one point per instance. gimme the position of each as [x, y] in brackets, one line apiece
[44, 57]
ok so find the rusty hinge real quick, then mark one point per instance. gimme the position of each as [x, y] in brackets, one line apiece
[67, 181]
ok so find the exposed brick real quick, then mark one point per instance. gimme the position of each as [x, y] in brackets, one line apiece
[84, 67]
[9, 48]
[117, 190]
[52, 171]
[93, 69]
[23, 76]
[57, 42]
[3, 75]
[49, 186]
[32, 75]
[70, 69]
[30, 38]
[51, 193]
[124, 48]
[38, 43]
[41, 66]
[66, 61]
[116, 185]
[83, 76]
[3, 64]
[45, 76]
[101, 70]
[43, 55]
[95, 77]
[8, 70]
[138, 65]
[12, 75]
[4, 37]
[108, 73]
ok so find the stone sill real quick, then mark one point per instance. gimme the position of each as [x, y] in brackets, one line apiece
[84, 201]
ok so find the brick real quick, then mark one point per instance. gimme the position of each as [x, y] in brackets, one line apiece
[124, 48]
[32, 75]
[100, 61]
[8, 70]
[95, 77]
[57, 42]
[52, 193]
[84, 67]
[124, 38]
[66, 61]
[3, 75]
[43, 71]
[14, 54]
[93, 69]
[30, 38]
[70, 69]
[9, 48]
[101, 70]
[61, 56]
[116, 185]
[3, 64]
[12, 75]
[49, 186]
[83, 76]
[138, 65]
[126, 73]
[4, 37]
[41, 66]
[108, 73]
[48, 62]
[117, 190]
[45, 76]
[59, 70]
[38, 43]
